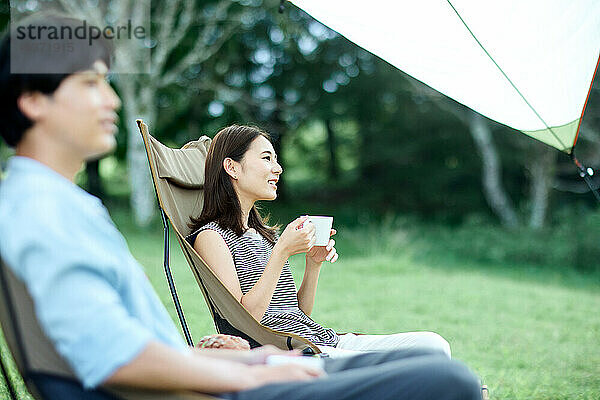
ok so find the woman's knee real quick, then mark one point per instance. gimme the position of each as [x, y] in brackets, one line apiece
[432, 340]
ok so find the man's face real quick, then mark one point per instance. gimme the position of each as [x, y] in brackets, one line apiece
[81, 114]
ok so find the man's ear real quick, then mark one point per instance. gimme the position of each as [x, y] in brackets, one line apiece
[32, 104]
[230, 167]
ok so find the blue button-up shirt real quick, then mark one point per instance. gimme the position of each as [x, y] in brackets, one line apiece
[91, 297]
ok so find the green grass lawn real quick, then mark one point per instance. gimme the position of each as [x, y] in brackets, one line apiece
[528, 332]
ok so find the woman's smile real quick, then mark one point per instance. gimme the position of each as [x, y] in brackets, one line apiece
[273, 183]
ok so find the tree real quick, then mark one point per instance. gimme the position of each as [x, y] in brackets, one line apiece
[279, 72]
[185, 34]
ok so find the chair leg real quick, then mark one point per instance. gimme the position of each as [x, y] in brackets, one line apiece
[171, 282]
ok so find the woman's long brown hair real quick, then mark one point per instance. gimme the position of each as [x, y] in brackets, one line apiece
[221, 203]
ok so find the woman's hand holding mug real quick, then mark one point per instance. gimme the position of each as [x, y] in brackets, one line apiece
[297, 237]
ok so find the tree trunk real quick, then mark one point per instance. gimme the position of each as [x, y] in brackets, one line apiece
[542, 173]
[493, 190]
[143, 197]
[333, 169]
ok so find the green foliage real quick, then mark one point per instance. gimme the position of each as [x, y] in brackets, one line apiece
[307, 155]
[573, 243]
[5, 153]
[391, 236]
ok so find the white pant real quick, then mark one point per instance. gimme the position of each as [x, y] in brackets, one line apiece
[351, 344]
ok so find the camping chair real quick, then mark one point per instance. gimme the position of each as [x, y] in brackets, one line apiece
[34, 354]
[178, 176]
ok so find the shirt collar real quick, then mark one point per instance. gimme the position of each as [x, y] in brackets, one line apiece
[26, 165]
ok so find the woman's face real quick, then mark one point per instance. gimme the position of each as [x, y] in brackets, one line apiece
[258, 172]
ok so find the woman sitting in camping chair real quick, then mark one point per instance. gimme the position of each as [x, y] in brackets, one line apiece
[251, 259]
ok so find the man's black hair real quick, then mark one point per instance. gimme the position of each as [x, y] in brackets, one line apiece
[73, 56]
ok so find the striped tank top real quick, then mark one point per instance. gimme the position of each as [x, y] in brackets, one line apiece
[250, 253]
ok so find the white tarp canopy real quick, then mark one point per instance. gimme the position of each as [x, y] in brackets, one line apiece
[527, 64]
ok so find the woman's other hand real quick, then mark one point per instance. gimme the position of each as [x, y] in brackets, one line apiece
[297, 237]
[220, 341]
[318, 254]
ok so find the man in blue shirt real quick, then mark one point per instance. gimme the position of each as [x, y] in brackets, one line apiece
[92, 298]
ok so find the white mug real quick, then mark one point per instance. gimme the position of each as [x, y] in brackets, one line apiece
[323, 229]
